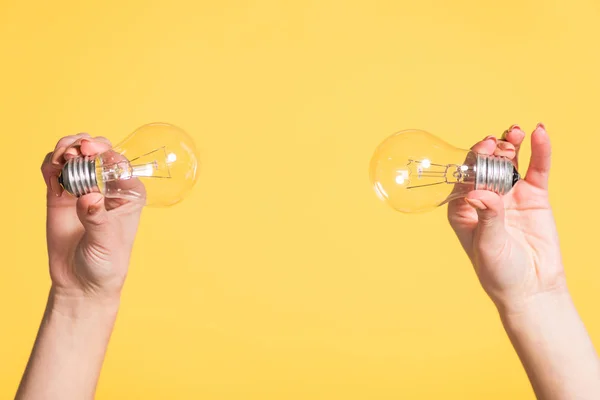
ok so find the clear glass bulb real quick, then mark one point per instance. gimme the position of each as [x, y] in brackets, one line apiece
[155, 165]
[414, 171]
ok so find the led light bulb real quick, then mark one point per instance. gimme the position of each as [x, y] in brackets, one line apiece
[414, 171]
[156, 165]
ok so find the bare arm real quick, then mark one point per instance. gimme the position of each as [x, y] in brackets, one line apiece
[554, 347]
[89, 246]
[513, 245]
[69, 350]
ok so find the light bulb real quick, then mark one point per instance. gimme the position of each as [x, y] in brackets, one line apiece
[156, 165]
[414, 171]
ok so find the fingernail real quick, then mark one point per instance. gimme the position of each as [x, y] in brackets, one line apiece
[491, 137]
[509, 130]
[540, 125]
[94, 208]
[476, 204]
[55, 187]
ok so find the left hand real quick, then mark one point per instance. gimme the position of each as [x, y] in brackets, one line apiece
[89, 239]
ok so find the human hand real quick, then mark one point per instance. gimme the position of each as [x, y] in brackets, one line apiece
[512, 240]
[89, 238]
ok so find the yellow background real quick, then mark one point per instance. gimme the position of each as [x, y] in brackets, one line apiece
[283, 276]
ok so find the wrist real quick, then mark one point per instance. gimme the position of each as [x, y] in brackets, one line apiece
[535, 296]
[80, 306]
[539, 305]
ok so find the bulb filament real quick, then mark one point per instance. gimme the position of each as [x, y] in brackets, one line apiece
[152, 164]
[440, 172]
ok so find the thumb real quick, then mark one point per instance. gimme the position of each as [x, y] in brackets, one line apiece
[490, 212]
[93, 215]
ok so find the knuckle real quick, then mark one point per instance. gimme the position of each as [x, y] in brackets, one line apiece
[102, 139]
[65, 141]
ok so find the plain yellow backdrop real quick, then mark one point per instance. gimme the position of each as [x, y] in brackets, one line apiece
[283, 276]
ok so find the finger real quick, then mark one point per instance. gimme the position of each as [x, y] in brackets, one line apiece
[47, 160]
[102, 139]
[50, 172]
[63, 144]
[94, 146]
[71, 153]
[74, 150]
[69, 140]
[490, 213]
[93, 216]
[539, 164]
[505, 149]
[52, 164]
[486, 146]
[47, 167]
[58, 153]
[67, 148]
[55, 186]
[514, 135]
[461, 216]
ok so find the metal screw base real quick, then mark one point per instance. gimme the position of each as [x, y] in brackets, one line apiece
[78, 176]
[496, 174]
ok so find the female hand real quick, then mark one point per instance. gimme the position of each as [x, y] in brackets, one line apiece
[89, 239]
[512, 240]
[89, 245]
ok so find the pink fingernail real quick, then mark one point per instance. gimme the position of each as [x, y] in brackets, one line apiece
[540, 125]
[491, 137]
[94, 208]
[514, 127]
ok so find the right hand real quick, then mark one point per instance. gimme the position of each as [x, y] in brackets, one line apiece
[512, 240]
[89, 239]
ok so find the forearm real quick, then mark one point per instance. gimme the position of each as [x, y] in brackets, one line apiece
[554, 347]
[69, 350]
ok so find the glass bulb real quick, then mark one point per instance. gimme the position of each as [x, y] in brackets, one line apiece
[414, 171]
[155, 165]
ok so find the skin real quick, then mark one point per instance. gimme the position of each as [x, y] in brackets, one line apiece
[513, 245]
[511, 241]
[89, 245]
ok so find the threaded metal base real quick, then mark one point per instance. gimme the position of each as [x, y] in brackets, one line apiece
[78, 176]
[494, 173]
